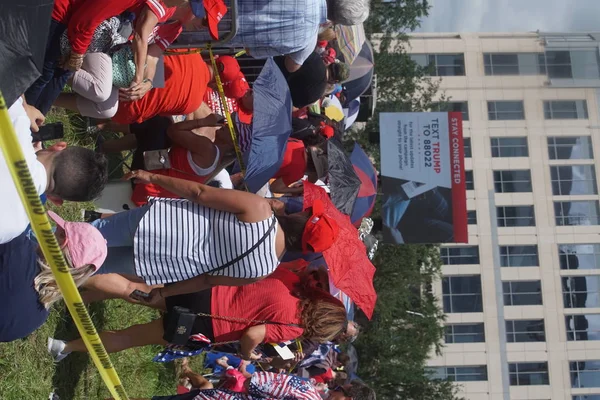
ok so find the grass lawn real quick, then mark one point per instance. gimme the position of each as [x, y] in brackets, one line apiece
[26, 369]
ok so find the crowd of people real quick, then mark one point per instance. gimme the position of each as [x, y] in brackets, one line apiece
[209, 256]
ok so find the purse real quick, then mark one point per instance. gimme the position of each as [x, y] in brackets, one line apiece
[157, 159]
[123, 67]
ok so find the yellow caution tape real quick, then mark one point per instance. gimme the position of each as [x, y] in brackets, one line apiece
[54, 257]
[236, 145]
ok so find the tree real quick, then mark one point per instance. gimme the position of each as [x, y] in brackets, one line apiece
[406, 326]
[395, 16]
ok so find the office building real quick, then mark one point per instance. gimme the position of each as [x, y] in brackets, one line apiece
[523, 296]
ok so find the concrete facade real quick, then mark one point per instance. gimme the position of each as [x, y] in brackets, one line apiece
[477, 89]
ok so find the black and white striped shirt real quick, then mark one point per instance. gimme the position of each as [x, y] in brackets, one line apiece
[178, 240]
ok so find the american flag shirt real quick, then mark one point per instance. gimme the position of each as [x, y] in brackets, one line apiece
[267, 385]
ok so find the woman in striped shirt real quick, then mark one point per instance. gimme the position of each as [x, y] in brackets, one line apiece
[209, 237]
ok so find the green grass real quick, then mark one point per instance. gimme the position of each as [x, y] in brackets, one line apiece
[26, 369]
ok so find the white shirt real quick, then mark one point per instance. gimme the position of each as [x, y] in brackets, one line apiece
[13, 218]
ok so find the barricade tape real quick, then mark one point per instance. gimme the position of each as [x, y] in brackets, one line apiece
[236, 145]
[13, 154]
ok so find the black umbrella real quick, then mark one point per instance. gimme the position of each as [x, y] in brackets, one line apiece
[344, 184]
[24, 26]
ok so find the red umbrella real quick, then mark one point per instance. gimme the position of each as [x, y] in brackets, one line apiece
[349, 267]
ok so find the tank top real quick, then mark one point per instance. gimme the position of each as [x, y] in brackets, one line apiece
[179, 239]
[182, 166]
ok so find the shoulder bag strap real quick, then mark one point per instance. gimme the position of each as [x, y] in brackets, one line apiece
[250, 250]
[246, 321]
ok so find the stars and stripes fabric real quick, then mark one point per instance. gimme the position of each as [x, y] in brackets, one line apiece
[267, 385]
[178, 240]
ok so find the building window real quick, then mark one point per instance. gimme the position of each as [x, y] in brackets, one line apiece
[519, 256]
[581, 291]
[467, 147]
[515, 216]
[574, 64]
[462, 294]
[505, 110]
[472, 217]
[579, 256]
[586, 397]
[522, 293]
[573, 180]
[583, 327]
[565, 109]
[585, 374]
[510, 147]
[525, 330]
[581, 212]
[570, 148]
[464, 333]
[456, 106]
[460, 374]
[469, 182]
[459, 255]
[526, 374]
[512, 181]
[441, 64]
[514, 64]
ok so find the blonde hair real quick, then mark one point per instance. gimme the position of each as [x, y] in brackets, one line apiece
[46, 286]
[323, 319]
[327, 35]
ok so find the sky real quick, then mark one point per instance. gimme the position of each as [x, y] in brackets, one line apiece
[512, 16]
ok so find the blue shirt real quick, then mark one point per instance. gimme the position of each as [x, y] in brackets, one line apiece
[21, 312]
[270, 28]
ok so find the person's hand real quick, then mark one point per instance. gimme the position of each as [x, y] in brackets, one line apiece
[135, 91]
[155, 299]
[74, 62]
[277, 206]
[299, 356]
[222, 362]
[254, 356]
[36, 118]
[244, 363]
[139, 176]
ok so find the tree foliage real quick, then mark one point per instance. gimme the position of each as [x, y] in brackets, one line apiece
[407, 326]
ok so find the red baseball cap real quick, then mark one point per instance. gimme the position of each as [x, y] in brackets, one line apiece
[231, 68]
[237, 88]
[320, 231]
[326, 130]
[214, 11]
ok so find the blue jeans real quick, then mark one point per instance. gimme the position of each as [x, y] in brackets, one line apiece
[119, 231]
[48, 86]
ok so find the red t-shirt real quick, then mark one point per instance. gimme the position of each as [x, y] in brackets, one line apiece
[164, 33]
[186, 80]
[268, 299]
[180, 168]
[294, 162]
[82, 17]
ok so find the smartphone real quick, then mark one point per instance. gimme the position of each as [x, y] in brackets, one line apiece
[139, 295]
[48, 132]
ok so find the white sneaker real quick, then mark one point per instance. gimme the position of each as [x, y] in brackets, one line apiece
[56, 349]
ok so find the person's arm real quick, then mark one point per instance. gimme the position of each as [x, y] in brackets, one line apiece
[243, 370]
[203, 150]
[145, 24]
[291, 65]
[253, 336]
[196, 284]
[115, 286]
[248, 206]
[279, 186]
